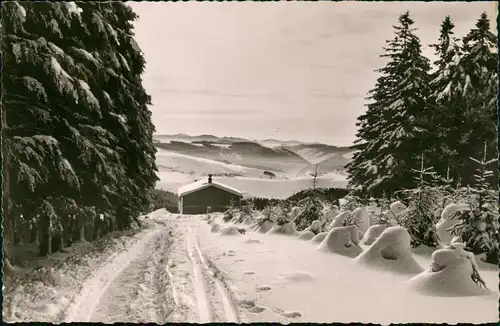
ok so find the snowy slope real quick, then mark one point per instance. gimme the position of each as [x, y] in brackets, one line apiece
[166, 160]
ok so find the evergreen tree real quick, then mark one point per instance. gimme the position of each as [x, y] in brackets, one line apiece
[77, 131]
[419, 217]
[480, 64]
[396, 127]
[479, 227]
[447, 99]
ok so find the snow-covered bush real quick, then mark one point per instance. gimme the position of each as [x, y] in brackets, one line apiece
[479, 227]
[419, 217]
[243, 213]
[310, 211]
[229, 215]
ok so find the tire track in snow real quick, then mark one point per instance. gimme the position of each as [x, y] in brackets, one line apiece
[202, 302]
[133, 287]
[83, 306]
[230, 313]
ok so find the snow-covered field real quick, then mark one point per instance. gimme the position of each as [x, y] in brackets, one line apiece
[177, 270]
[176, 170]
[253, 187]
[196, 165]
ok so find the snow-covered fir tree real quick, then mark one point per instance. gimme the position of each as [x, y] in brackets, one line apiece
[447, 100]
[395, 130]
[76, 125]
[479, 227]
[480, 65]
[419, 217]
[464, 90]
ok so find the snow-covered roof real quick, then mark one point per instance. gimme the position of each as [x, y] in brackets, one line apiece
[202, 184]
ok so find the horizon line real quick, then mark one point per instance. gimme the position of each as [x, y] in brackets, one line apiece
[266, 139]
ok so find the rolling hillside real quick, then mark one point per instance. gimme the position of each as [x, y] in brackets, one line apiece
[241, 163]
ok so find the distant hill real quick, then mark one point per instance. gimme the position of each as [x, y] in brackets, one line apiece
[293, 158]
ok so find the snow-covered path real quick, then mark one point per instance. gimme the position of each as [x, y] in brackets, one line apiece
[162, 278]
[131, 287]
[180, 271]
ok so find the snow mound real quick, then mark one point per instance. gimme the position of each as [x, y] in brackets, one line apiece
[315, 227]
[361, 219]
[452, 273]
[343, 241]
[263, 227]
[306, 235]
[285, 229]
[391, 251]
[215, 228]
[397, 208]
[230, 230]
[319, 237]
[338, 221]
[447, 221]
[296, 276]
[373, 233]
[248, 221]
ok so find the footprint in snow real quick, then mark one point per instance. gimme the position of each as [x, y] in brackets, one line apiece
[249, 273]
[251, 306]
[238, 260]
[296, 276]
[288, 314]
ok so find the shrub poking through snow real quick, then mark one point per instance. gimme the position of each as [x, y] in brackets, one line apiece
[244, 214]
[315, 227]
[419, 217]
[229, 215]
[449, 218]
[479, 227]
[340, 220]
[285, 229]
[282, 213]
[310, 210]
[327, 215]
[453, 272]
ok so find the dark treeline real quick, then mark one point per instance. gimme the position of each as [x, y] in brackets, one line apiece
[78, 156]
[443, 112]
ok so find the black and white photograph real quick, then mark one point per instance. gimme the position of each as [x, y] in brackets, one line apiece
[250, 162]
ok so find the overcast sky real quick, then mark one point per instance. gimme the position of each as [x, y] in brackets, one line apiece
[287, 70]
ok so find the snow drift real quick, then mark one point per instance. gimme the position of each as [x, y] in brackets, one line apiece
[373, 233]
[453, 272]
[343, 241]
[215, 228]
[306, 235]
[319, 237]
[230, 230]
[391, 251]
[285, 229]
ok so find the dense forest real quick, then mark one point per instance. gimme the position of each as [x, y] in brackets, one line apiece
[442, 113]
[78, 155]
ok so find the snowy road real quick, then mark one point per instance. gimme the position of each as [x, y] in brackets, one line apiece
[162, 278]
[180, 271]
